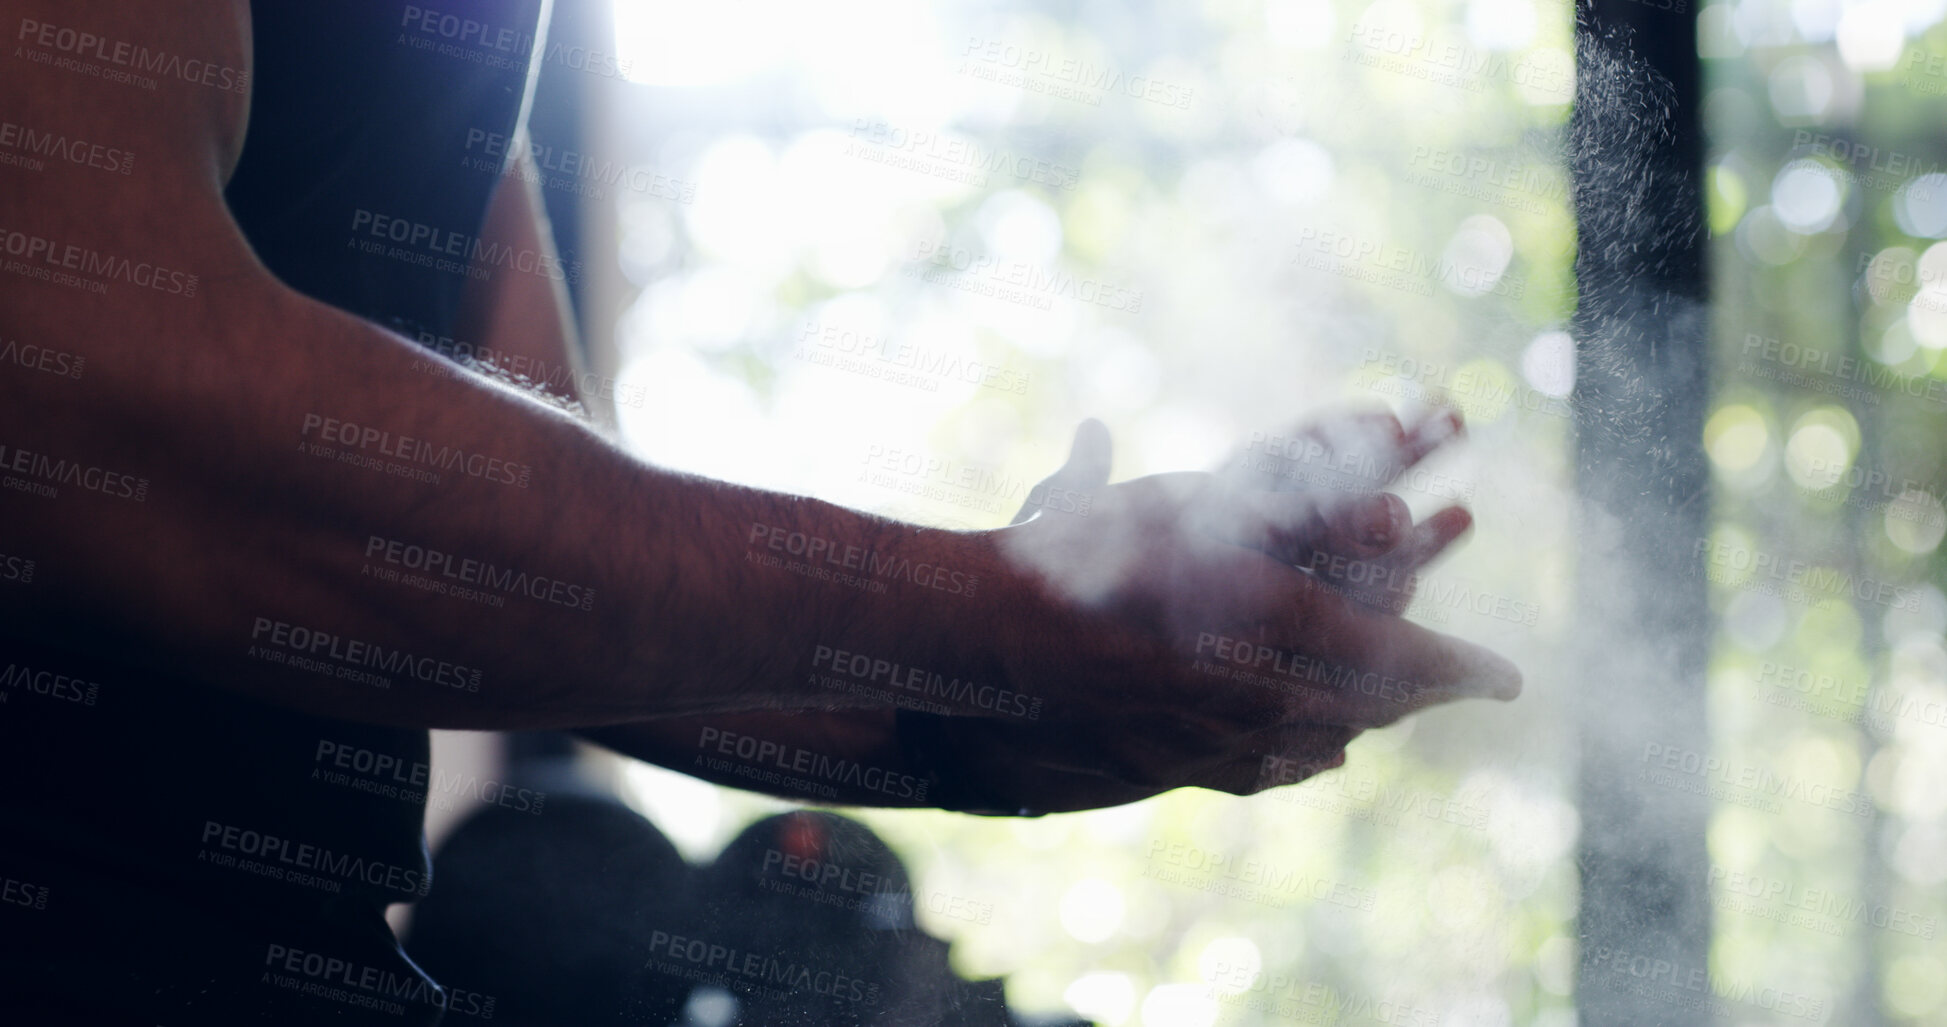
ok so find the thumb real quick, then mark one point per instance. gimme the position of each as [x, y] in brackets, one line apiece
[1086, 470]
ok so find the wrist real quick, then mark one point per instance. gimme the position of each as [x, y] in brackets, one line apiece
[916, 626]
[923, 597]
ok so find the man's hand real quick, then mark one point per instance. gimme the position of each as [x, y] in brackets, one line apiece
[1344, 461]
[1173, 643]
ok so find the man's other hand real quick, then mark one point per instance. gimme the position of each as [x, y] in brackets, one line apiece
[1172, 638]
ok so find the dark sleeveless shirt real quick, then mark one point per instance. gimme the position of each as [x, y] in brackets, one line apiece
[174, 852]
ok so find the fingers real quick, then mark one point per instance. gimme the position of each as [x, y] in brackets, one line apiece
[1268, 644]
[1432, 537]
[1338, 465]
[1293, 527]
[1389, 581]
[1323, 657]
[1415, 662]
[1369, 525]
[1086, 470]
[1429, 432]
[1349, 453]
[1089, 456]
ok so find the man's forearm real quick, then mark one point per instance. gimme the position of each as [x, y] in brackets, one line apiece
[322, 515]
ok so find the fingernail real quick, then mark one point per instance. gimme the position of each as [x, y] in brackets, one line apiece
[1379, 521]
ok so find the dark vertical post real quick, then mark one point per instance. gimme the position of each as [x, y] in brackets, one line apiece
[1863, 1007]
[1641, 395]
